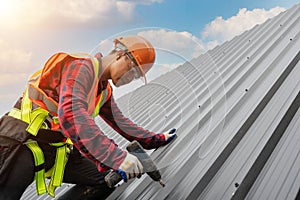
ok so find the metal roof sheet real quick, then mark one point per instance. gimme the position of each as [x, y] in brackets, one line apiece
[236, 110]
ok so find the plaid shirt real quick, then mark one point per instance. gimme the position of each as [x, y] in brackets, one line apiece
[70, 88]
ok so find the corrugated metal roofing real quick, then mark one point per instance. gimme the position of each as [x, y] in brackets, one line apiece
[236, 110]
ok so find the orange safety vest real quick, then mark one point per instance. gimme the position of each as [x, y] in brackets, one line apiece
[54, 66]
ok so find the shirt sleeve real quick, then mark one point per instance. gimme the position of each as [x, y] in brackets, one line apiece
[112, 115]
[75, 121]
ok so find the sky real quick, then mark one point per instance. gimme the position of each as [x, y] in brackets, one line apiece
[33, 30]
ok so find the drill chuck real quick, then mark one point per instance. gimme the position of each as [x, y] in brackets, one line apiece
[162, 183]
[149, 167]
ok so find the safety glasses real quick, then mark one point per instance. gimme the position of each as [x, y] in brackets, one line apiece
[135, 70]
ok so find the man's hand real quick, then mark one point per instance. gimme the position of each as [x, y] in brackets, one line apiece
[130, 168]
[170, 135]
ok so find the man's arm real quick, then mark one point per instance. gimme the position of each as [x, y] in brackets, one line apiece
[75, 121]
[128, 129]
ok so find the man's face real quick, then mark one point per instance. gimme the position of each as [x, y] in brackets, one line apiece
[124, 70]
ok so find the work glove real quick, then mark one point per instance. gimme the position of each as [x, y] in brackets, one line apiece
[130, 168]
[170, 135]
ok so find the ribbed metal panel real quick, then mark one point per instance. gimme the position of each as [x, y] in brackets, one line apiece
[280, 178]
[236, 110]
[232, 108]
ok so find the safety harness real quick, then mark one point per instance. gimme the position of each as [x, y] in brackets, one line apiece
[37, 108]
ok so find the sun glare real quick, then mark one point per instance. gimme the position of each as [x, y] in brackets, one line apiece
[6, 7]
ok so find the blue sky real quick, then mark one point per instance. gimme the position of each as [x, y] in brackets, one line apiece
[33, 30]
[192, 15]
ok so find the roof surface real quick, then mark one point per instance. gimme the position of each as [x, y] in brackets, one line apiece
[236, 108]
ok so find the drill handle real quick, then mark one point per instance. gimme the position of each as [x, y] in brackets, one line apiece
[112, 178]
[149, 166]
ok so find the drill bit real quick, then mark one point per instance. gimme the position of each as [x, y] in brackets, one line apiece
[161, 183]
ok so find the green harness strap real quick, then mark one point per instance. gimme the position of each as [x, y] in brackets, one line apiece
[39, 166]
[57, 171]
[35, 119]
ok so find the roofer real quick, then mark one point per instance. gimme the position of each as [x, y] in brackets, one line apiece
[51, 133]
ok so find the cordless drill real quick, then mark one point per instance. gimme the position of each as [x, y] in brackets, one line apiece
[150, 168]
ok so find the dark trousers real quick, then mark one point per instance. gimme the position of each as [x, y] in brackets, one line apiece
[79, 170]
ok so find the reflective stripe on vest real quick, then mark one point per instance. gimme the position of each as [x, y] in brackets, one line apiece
[40, 98]
[35, 117]
[103, 97]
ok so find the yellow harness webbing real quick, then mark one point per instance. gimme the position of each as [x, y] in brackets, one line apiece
[35, 119]
[39, 166]
[57, 171]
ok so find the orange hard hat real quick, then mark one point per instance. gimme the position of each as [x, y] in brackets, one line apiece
[140, 51]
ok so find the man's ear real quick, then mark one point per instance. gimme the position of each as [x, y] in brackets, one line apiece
[118, 57]
[119, 54]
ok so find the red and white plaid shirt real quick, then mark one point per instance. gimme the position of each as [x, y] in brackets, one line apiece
[79, 126]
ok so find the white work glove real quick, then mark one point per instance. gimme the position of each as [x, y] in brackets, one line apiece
[130, 168]
[170, 135]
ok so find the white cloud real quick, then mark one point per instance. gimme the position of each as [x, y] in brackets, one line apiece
[187, 46]
[13, 59]
[171, 46]
[9, 79]
[65, 13]
[145, 2]
[105, 46]
[220, 30]
[11, 86]
[14, 71]
[182, 45]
